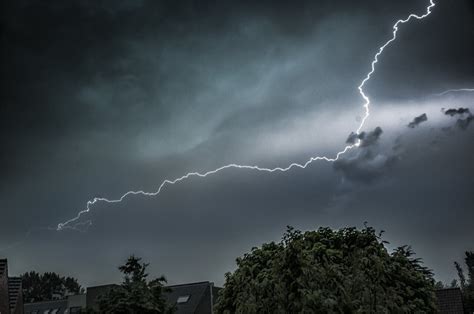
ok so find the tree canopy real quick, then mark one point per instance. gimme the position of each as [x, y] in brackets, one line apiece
[326, 271]
[467, 284]
[48, 286]
[136, 294]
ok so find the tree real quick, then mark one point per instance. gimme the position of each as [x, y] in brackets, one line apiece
[136, 294]
[48, 286]
[327, 271]
[442, 285]
[467, 284]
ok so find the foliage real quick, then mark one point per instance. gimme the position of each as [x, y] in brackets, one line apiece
[328, 271]
[136, 294]
[467, 284]
[48, 286]
[441, 285]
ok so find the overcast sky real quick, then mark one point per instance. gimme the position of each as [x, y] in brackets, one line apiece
[102, 97]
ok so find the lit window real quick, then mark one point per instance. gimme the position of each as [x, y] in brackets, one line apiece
[183, 299]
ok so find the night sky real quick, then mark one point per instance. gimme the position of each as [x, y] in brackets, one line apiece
[100, 97]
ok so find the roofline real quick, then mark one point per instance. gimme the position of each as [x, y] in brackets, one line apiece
[170, 286]
[190, 284]
[105, 285]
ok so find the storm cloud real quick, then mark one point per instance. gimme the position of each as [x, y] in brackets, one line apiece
[369, 162]
[460, 111]
[417, 120]
[461, 123]
[464, 123]
[366, 138]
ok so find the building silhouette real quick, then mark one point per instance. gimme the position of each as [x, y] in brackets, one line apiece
[11, 295]
[195, 298]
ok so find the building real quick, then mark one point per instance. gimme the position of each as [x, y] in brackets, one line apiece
[198, 298]
[56, 307]
[11, 295]
[449, 301]
[72, 304]
[93, 294]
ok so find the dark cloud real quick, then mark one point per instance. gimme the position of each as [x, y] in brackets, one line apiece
[464, 123]
[461, 123]
[352, 138]
[447, 129]
[417, 120]
[459, 111]
[366, 167]
[366, 139]
[370, 138]
[369, 162]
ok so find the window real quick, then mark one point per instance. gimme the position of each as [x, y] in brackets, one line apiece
[183, 299]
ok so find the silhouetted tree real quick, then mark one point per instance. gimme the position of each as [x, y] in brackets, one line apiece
[48, 286]
[136, 294]
[327, 271]
[467, 284]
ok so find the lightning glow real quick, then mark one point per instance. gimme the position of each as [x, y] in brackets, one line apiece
[73, 223]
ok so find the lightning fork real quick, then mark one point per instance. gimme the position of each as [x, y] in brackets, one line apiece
[73, 222]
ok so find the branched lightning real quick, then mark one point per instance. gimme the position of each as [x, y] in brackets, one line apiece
[73, 223]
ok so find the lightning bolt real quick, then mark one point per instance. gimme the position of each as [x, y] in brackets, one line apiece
[455, 91]
[73, 222]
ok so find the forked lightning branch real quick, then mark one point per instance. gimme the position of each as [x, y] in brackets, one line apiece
[75, 223]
